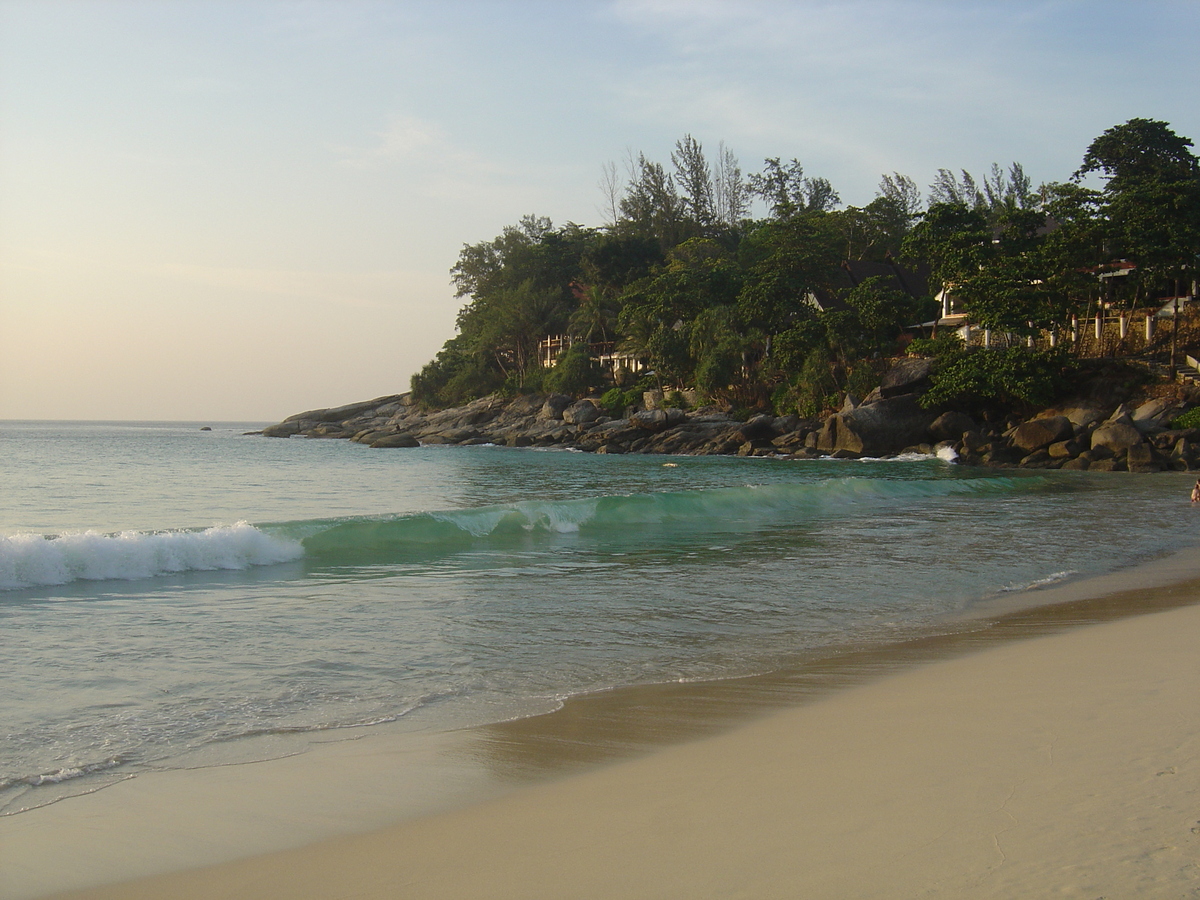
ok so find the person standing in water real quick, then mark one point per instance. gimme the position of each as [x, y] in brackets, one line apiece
[1196, 492]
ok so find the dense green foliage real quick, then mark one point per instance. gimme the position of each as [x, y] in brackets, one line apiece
[1011, 377]
[785, 310]
[1190, 419]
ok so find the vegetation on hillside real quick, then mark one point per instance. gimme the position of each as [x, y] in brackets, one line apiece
[781, 310]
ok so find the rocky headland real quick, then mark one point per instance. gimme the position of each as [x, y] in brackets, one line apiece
[1093, 432]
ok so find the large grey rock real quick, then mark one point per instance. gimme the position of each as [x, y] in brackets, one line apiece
[950, 426]
[906, 376]
[349, 411]
[876, 429]
[1154, 415]
[650, 419]
[675, 416]
[759, 428]
[525, 406]
[553, 407]
[1084, 416]
[827, 435]
[581, 412]
[283, 429]
[1116, 436]
[1140, 458]
[396, 440]
[786, 424]
[1037, 434]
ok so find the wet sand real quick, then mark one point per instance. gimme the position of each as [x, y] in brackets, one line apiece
[1053, 750]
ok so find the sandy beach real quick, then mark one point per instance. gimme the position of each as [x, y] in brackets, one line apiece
[1061, 764]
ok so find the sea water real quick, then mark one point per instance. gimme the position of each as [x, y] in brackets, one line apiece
[171, 596]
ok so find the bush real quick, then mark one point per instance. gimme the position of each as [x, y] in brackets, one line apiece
[945, 344]
[1190, 419]
[815, 389]
[575, 373]
[615, 401]
[1013, 376]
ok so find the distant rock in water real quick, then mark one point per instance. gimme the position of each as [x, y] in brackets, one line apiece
[205, 428]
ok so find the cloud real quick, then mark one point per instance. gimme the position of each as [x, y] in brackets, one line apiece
[405, 139]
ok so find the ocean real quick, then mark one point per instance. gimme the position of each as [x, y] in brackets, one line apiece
[173, 597]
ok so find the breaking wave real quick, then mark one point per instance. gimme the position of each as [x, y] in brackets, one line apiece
[31, 560]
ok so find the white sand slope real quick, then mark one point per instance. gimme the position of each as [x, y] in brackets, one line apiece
[1064, 766]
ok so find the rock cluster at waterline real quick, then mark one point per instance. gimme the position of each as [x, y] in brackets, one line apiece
[890, 421]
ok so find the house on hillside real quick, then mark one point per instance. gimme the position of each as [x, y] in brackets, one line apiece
[611, 359]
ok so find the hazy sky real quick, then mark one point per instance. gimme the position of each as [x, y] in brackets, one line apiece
[239, 210]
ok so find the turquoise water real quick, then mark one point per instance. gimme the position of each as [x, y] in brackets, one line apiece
[171, 596]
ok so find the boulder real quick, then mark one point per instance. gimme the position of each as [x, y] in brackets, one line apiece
[827, 435]
[1116, 437]
[675, 416]
[1084, 416]
[906, 376]
[283, 429]
[1065, 449]
[553, 407]
[349, 411]
[759, 428]
[1140, 458]
[876, 429]
[974, 442]
[788, 443]
[1154, 415]
[1037, 434]
[395, 440]
[329, 431]
[1038, 459]
[650, 419]
[581, 412]
[786, 424]
[950, 426]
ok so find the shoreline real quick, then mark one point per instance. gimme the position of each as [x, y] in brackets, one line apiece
[417, 780]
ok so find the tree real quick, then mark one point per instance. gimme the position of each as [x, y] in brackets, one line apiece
[651, 207]
[954, 238]
[611, 189]
[1139, 150]
[1000, 192]
[521, 286]
[658, 311]
[878, 230]
[731, 194]
[948, 189]
[787, 192]
[882, 311]
[1074, 250]
[1151, 197]
[694, 178]
[902, 194]
[784, 262]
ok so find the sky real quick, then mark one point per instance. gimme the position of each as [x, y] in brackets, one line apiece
[235, 211]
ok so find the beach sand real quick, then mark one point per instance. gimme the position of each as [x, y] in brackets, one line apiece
[1063, 763]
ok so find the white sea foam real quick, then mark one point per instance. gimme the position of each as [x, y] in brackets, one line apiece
[1055, 578]
[30, 560]
[946, 453]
